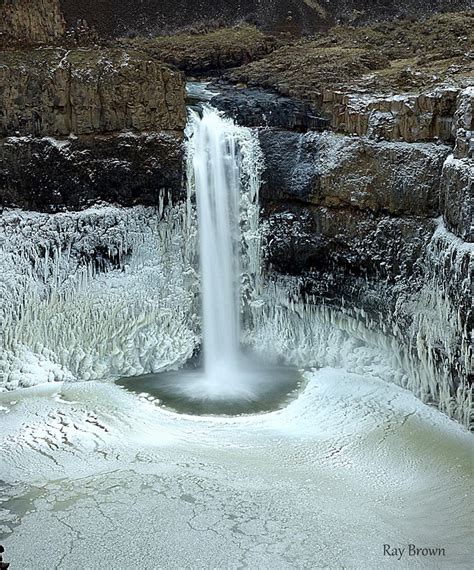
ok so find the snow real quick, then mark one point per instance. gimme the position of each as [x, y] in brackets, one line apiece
[321, 483]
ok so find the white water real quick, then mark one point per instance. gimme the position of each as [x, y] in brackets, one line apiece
[217, 182]
[223, 169]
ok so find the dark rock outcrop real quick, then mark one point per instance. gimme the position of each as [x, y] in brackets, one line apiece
[256, 107]
[304, 239]
[70, 174]
[457, 197]
[348, 210]
[335, 171]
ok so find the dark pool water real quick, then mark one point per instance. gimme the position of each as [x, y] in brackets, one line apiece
[253, 387]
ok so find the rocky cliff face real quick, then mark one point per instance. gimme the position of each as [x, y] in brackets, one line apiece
[392, 81]
[84, 125]
[370, 210]
[382, 230]
[87, 91]
[50, 174]
[334, 171]
[31, 21]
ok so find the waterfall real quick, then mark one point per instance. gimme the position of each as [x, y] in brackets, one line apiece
[223, 173]
[217, 186]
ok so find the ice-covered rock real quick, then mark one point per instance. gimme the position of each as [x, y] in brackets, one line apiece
[103, 292]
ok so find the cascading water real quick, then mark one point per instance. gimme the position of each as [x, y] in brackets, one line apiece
[216, 164]
[223, 167]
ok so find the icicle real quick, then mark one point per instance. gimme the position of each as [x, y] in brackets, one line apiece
[76, 312]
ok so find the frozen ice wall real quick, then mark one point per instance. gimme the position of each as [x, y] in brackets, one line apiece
[425, 345]
[103, 292]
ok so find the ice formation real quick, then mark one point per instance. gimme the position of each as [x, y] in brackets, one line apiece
[111, 291]
[305, 332]
[352, 459]
[103, 292]
[440, 312]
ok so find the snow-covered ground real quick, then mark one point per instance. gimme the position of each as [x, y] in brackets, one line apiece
[97, 477]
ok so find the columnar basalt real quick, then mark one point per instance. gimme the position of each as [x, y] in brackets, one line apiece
[407, 117]
[31, 21]
[56, 92]
[84, 125]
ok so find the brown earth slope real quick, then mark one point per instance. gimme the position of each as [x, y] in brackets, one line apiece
[218, 49]
[115, 17]
[387, 57]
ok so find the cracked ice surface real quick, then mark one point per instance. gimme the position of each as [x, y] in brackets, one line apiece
[96, 477]
[103, 292]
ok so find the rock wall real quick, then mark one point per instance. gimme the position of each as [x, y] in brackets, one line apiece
[383, 230]
[410, 117]
[86, 125]
[457, 184]
[456, 197]
[349, 205]
[335, 171]
[50, 175]
[54, 92]
[463, 127]
[407, 117]
[31, 21]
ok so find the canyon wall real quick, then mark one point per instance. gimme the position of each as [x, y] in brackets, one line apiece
[31, 21]
[83, 125]
[382, 230]
[56, 92]
[366, 196]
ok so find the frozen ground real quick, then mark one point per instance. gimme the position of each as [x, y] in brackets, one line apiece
[97, 477]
